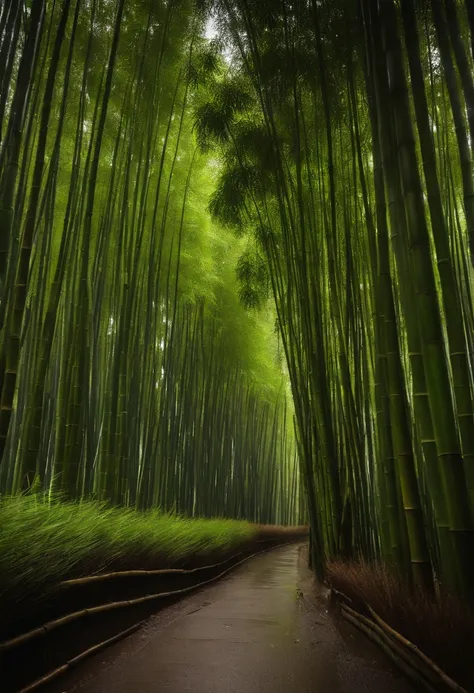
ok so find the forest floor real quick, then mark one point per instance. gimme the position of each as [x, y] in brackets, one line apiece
[264, 628]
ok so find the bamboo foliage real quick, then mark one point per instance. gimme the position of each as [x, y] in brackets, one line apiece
[130, 373]
[349, 166]
[313, 162]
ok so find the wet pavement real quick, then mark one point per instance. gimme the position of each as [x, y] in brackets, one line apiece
[264, 628]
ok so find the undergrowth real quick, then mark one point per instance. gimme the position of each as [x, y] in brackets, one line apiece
[44, 542]
[443, 628]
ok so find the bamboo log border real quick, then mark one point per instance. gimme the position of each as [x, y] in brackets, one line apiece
[46, 628]
[75, 615]
[68, 618]
[90, 579]
[47, 678]
[102, 577]
[414, 663]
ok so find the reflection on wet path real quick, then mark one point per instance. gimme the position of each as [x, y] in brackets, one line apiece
[253, 632]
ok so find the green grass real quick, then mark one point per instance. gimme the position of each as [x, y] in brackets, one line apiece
[42, 543]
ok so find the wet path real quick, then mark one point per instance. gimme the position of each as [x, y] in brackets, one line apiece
[262, 629]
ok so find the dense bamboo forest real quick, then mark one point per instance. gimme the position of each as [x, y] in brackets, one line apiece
[236, 265]
[130, 371]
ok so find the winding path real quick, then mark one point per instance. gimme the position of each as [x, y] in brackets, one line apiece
[262, 629]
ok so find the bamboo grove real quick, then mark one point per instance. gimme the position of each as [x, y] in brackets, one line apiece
[167, 198]
[129, 370]
[346, 132]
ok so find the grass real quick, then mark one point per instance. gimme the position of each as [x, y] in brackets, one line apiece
[442, 628]
[43, 543]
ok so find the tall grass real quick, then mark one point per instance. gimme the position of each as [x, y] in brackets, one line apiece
[43, 542]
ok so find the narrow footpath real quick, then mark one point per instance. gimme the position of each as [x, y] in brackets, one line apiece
[262, 629]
